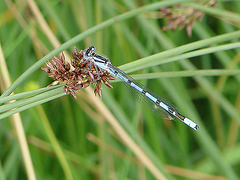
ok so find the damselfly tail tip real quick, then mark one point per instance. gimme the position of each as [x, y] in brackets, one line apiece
[191, 124]
[196, 127]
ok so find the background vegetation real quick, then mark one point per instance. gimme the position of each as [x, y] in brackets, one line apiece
[116, 137]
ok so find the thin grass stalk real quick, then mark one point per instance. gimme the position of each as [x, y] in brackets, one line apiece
[220, 86]
[144, 62]
[217, 120]
[27, 94]
[229, 16]
[2, 174]
[126, 138]
[22, 108]
[75, 158]
[23, 102]
[55, 145]
[187, 73]
[17, 122]
[234, 126]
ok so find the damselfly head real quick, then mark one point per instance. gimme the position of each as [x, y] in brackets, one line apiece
[89, 51]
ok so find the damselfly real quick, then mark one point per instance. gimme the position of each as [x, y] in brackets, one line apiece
[104, 64]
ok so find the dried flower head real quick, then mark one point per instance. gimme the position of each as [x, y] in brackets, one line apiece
[180, 16]
[81, 75]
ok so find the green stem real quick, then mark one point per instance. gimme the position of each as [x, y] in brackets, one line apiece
[144, 62]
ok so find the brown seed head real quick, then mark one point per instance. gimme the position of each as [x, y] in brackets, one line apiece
[181, 16]
[80, 76]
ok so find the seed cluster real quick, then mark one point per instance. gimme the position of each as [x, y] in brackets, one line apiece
[77, 75]
[181, 16]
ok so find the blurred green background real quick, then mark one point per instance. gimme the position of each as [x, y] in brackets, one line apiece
[117, 137]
